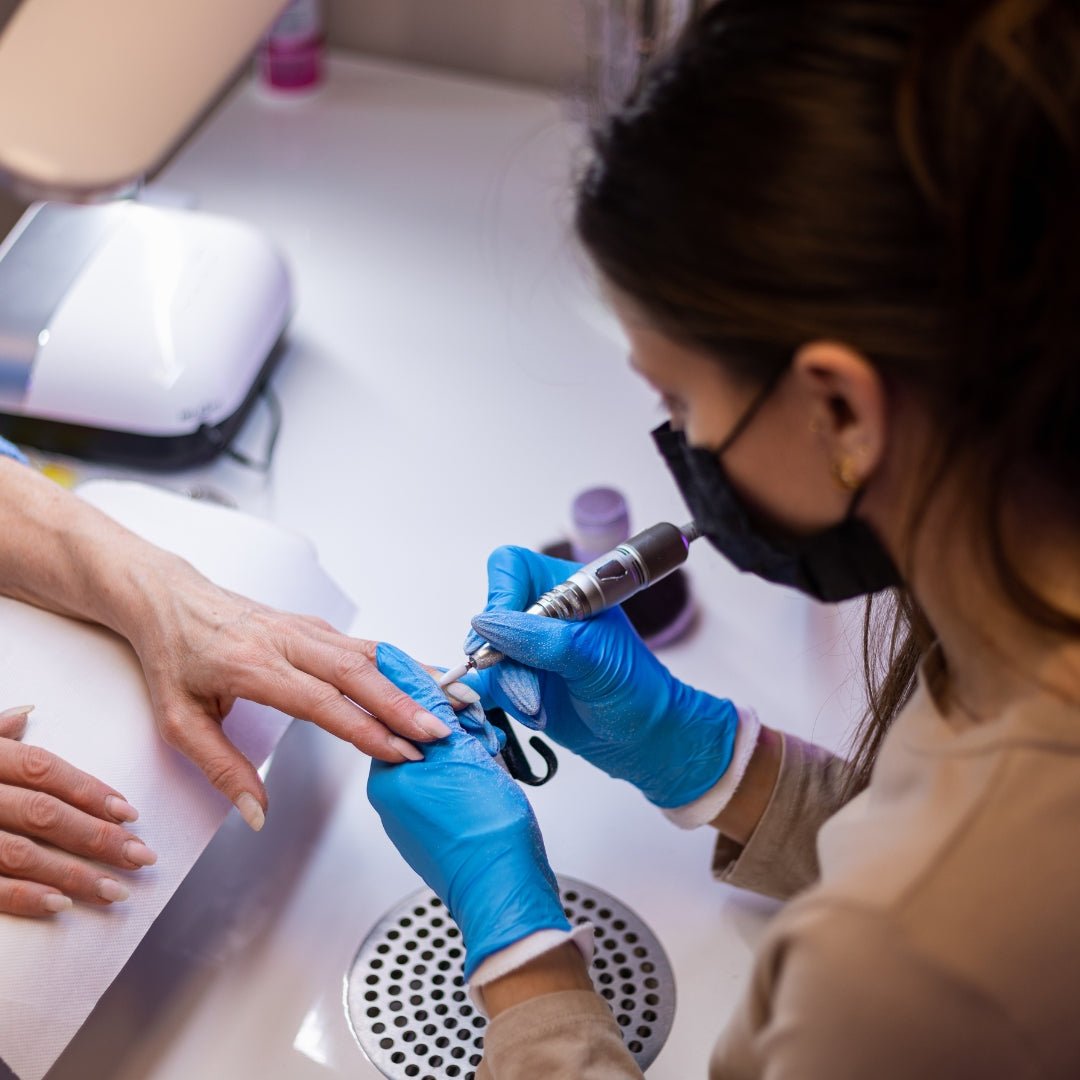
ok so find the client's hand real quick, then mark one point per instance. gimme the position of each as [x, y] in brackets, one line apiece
[49, 812]
[596, 689]
[202, 647]
[466, 828]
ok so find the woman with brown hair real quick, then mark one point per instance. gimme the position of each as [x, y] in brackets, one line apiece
[843, 240]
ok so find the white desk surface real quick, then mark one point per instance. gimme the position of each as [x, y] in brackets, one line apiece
[451, 382]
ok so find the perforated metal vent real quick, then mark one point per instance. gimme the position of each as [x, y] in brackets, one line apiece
[406, 1000]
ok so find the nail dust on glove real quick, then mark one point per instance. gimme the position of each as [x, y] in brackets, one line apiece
[466, 828]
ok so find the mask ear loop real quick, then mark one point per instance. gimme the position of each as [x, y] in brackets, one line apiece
[751, 411]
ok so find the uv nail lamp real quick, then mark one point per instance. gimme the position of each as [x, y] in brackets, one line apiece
[136, 335]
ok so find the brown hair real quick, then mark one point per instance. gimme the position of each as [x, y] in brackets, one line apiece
[901, 176]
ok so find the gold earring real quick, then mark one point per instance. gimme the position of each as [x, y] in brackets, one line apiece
[843, 472]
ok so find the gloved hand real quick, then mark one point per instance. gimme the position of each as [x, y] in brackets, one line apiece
[595, 688]
[465, 827]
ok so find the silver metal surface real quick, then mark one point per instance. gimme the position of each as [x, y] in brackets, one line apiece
[407, 1005]
[36, 272]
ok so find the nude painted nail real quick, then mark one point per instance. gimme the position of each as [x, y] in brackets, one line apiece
[120, 809]
[19, 710]
[406, 749]
[462, 693]
[431, 724]
[135, 851]
[54, 902]
[250, 810]
[112, 891]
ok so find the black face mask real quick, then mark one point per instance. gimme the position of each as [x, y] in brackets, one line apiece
[837, 563]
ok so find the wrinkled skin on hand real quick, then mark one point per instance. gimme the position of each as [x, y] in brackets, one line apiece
[50, 812]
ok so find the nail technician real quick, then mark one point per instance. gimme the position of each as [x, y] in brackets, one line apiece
[844, 241]
[201, 648]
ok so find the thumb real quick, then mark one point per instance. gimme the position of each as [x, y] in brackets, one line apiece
[198, 736]
[407, 675]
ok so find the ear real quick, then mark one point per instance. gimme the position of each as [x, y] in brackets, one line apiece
[848, 407]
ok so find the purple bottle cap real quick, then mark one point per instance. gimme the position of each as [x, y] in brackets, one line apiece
[600, 521]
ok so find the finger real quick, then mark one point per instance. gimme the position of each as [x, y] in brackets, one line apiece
[459, 694]
[21, 858]
[476, 723]
[539, 642]
[13, 721]
[521, 686]
[30, 899]
[356, 677]
[516, 577]
[500, 699]
[32, 767]
[200, 739]
[405, 673]
[38, 814]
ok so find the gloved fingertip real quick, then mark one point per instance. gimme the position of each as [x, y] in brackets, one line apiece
[472, 718]
[541, 719]
[473, 641]
[492, 740]
[521, 686]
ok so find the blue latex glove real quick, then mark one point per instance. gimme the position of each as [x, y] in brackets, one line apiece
[465, 827]
[596, 689]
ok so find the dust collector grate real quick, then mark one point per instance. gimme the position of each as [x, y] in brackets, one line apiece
[408, 1007]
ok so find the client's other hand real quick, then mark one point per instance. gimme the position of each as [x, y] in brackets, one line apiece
[49, 813]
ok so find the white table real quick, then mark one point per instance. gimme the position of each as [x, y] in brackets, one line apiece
[452, 382]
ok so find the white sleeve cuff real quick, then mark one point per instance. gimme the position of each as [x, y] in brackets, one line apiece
[705, 807]
[521, 952]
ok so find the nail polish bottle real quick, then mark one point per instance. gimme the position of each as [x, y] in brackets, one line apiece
[600, 520]
[290, 58]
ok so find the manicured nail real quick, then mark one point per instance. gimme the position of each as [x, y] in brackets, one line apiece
[431, 724]
[406, 749]
[120, 809]
[21, 710]
[462, 693]
[54, 902]
[135, 851]
[111, 890]
[250, 810]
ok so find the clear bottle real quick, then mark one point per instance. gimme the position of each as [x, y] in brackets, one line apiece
[290, 58]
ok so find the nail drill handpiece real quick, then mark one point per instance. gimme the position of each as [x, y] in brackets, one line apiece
[612, 579]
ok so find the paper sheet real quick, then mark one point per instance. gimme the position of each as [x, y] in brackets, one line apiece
[93, 709]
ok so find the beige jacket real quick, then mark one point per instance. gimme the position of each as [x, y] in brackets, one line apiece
[941, 938]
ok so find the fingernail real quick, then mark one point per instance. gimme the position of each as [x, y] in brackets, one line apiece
[135, 851]
[250, 810]
[21, 710]
[406, 749]
[111, 890]
[473, 641]
[466, 695]
[120, 809]
[431, 724]
[54, 902]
